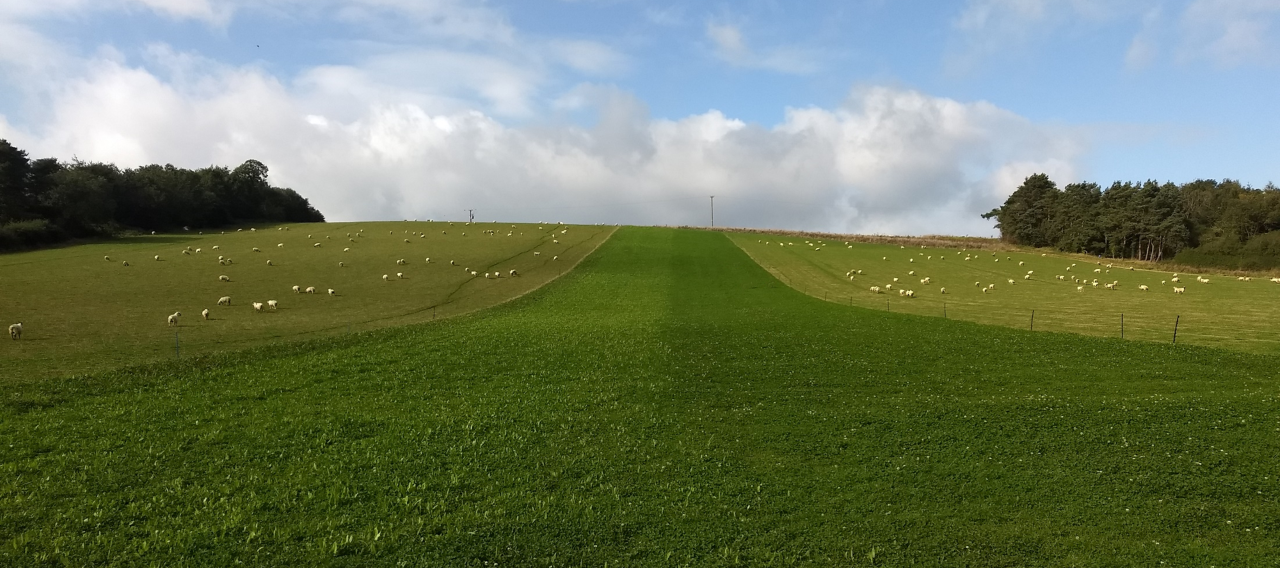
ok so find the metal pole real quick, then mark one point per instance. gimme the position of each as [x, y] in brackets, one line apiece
[1175, 330]
[1121, 326]
[944, 310]
[1033, 320]
[713, 211]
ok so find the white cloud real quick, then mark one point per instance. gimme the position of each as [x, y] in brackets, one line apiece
[1231, 32]
[889, 160]
[992, 28]
[733, 49]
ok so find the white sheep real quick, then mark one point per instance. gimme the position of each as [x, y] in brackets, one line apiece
[1010, 280]
[875, 289]
[205, 313]
[1175, 279]
[311, 289]
[15, 331]
[1079, 288]
[1026, 277]
[901, 292]
[269, 262]
[257, 307]
[279, 245]
[473, 273]
[333, 292]
[106, 258]
[297, 289]
[942, 290]
[514, 273]
[911, 273]
[555, 258]
[125, 263]
[173, 318]
[157, 257]
[272, 304]
[428, 260]
[536, 253]
[1143, 288]
[224, 278]
[400, 275]
[911, 293]
[386, 277]
[341, 264]
[224, 301]
[348, 249]
[186, 252]
[1177, 290]
[317, 245]
[256, 249]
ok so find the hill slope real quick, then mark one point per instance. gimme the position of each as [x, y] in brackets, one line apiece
[668, 403]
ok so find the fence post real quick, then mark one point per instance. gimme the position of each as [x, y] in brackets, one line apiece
[944, 310]
[1033, 320]
[1122, 326]
[1175, 329]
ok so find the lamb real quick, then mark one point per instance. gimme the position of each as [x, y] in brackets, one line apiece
[15, 331]
[297, 289]
[205, 313]
[173, 318]
[911, 293]
[333, 292]
[157, 257]
[1079, 288]
[1143, 287]
[257, 307]
[514, 273]
[271, 304]
[386, 277]
[224, 301]
[400, 275]
[875, 289]
[1175, 279]
[1177, 290]
[224, 278]
[311, 289]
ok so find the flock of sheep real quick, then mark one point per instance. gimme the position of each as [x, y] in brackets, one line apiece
[908, 292]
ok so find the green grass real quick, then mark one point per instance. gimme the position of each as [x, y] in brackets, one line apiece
[81, 313]
[668, 403]
[1225, 312]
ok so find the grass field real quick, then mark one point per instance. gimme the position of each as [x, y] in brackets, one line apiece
[81, 313]
[1225, 312]
[668, 403]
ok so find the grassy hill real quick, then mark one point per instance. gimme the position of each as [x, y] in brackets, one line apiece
[666, 403]
[1224, 312]
[83, 313]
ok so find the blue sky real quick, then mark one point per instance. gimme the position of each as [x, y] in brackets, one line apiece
[876, 116]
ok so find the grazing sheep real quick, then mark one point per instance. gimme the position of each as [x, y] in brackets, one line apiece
[346, 249]
[473, 273]
[317, 245]
[1177, 290]
[271, 304]
[1109, 286]
[333, 292]
[911, 293]
[400, 275]
[215, 247]
[428, 261]
[256, 249]
[224, 301]
[901, 292]
[555, 258]
[452, 263]
[341, 264]
[875, 289]
[985, 290]
[400, 261]
[406, 240]
[257, 307]
[106, 258]
[925, 280]
[311, 289]
[126, 263]
[514, 273]
[1143, 287]
[1175, 279]
[157, 257]
[386, 277]
[15, 331]
[205, 313]
[1010, 280]
[279, 245]
[1026, 277]
[173, 318]
[186, 252]
[911, 273]
[536, 253]
[297, 289]
[269, 262]
[942, 290]
[224, 278]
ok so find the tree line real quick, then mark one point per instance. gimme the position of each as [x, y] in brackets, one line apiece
[45, 201]
[1146, 221]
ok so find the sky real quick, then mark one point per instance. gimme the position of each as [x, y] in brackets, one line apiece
[876, 116]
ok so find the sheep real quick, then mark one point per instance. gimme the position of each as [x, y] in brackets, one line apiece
[106, 258]
[1031, 272]
[452, 263]
[186, 252]
[911, 260]
[256, 249]
[257, 307]
[901, 292]
[888, 286]
[875, 289]
[536, 253]
[400, 275]
[985, 290]
[125, 263]
[514, 273]
[977, 283]
[1143, 287]
[473, 273]
[911, 273]
[1011, 281]
[911, 293]
[333, 292]
[272, 304]
[279, 245]
[1097, 271]
[1079, 288]
[224, 301]
[224, 278]
[925, 280]
[347, 249]
[317, 245]
[1175, 279]
[311, 289]
[400, 261]
[157, 257]
[942, 290]
[173, 318]
[1109, 286]
[1026, 277]
[205, 313]
[341, 264]
[555, 258]
[1060, 277]
[386, 277]
[1020, 263]
[269, 262]
[15, 331]
[215, 247]
[895, 279]
[1177, 290]
[297, 289]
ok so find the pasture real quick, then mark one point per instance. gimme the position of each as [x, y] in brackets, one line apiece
[1223, 312]
[667, 403]
[82, 313]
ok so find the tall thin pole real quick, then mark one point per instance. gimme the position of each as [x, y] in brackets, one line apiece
[1033, 320]
[1121, 326]
[713, 211]
[1175, 330]
[471, 215]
